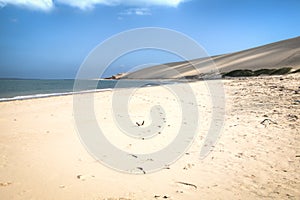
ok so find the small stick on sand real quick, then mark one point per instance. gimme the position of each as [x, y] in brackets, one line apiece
[269, 121]
[140, 124]
[133, 155]
[140, 168]
[188, 184]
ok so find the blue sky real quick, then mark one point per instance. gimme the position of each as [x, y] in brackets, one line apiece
[50, 39]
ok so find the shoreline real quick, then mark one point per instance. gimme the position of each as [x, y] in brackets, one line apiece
[45, 95]
[41, 96]
[161, 81]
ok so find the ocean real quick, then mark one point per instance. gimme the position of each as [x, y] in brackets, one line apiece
[20, 89]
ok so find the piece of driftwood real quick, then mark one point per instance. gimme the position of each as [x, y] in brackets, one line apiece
[188, 184]
[269, 121]
[140, 124]
[140, 168]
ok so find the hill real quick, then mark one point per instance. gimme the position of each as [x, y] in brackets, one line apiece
[275, 58]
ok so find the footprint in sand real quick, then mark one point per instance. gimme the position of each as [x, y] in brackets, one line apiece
[84, 177]
[188, 166]
[5, 184]
[161, 197]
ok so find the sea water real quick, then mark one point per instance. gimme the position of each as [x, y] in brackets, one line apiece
[19, 89]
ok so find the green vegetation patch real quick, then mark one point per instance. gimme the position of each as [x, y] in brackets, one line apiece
[264, 72]
[281, 71]
[239, 73]
[247, 72]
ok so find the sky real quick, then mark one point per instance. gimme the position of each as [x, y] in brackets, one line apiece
[49, 39]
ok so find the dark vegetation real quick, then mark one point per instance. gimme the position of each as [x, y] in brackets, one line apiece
[247, 72]
[297, 71]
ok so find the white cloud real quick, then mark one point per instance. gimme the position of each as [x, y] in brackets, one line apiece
[88, 4]
[136, 11]
[2, 4]
[45, 5]
[85, 4]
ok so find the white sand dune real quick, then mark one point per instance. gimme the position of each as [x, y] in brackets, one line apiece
[280, 54]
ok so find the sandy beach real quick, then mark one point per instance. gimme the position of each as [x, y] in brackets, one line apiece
[256, 157]
[149, 100]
